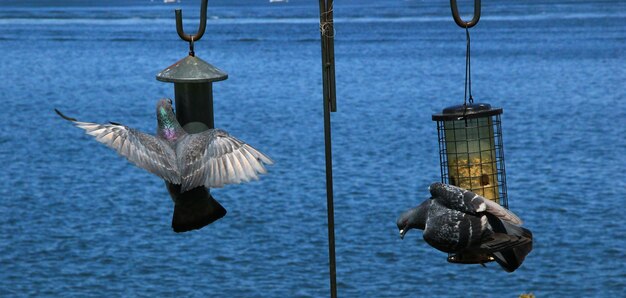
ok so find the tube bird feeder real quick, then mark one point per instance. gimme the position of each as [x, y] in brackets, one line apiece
[471, 156]
[471, 153]
[471, 150]
[193, 92]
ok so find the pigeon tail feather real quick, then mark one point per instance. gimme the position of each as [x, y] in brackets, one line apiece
[193, 209]
[510, 259]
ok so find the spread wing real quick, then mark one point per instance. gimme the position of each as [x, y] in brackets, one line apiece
[466, 201]
[214, 158]
[143, 150]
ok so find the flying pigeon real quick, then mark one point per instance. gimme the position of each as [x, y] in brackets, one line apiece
[455, 220]
[212, 158]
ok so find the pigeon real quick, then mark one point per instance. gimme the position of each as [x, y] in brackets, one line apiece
[456, 220]
[212, 158]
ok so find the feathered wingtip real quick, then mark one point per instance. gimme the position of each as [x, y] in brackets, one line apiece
[76, 120]
[65, 117]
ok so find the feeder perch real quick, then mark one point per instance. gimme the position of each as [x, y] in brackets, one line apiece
[471, 156]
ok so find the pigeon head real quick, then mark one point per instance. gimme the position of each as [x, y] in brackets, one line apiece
[165, 103]
[414, 218]
[168, 127]
[439, 189]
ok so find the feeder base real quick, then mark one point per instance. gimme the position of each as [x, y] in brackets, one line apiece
[470, 258]
[193, 209]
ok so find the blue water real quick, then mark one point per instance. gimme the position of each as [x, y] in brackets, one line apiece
[76, 220]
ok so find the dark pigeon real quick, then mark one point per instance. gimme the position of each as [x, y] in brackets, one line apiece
[455, 220]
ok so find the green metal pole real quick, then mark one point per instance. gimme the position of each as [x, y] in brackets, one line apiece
[328, 79]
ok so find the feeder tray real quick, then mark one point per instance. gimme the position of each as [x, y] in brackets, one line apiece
[470, 258]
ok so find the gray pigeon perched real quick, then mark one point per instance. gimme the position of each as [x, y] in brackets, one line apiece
[455, 220]
[212, 158]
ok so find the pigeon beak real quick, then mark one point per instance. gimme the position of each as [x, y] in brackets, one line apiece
[402, 232]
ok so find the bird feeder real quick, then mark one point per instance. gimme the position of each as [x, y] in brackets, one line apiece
[193, 95]
[471, 156]
[193, 80]
[470, 136]
[471, 153]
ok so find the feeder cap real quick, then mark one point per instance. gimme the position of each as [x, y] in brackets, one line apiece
[191, 69]
[470, 111]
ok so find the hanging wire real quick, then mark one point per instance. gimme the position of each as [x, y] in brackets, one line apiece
[466, 25]
[191, 50]
[468, 70]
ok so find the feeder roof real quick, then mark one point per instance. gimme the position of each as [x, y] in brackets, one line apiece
[191, 69]
[473, 110]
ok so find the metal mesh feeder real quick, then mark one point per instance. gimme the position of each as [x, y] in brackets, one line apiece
[471, 156]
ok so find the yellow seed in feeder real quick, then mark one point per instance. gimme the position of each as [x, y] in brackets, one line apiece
[477, 175]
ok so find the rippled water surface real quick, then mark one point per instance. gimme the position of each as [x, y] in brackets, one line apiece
[77, 220]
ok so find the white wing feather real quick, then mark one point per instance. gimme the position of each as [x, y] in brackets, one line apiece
[143, 150]
[214, 158]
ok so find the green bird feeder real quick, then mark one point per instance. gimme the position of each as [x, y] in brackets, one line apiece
[193, 96]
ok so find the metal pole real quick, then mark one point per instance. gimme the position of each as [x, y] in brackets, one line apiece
[328, 78]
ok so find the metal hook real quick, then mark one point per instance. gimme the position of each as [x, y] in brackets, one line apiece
[201, 28]
[457, 18]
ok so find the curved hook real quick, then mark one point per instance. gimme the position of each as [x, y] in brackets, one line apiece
[201, 28]
[457, 18]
